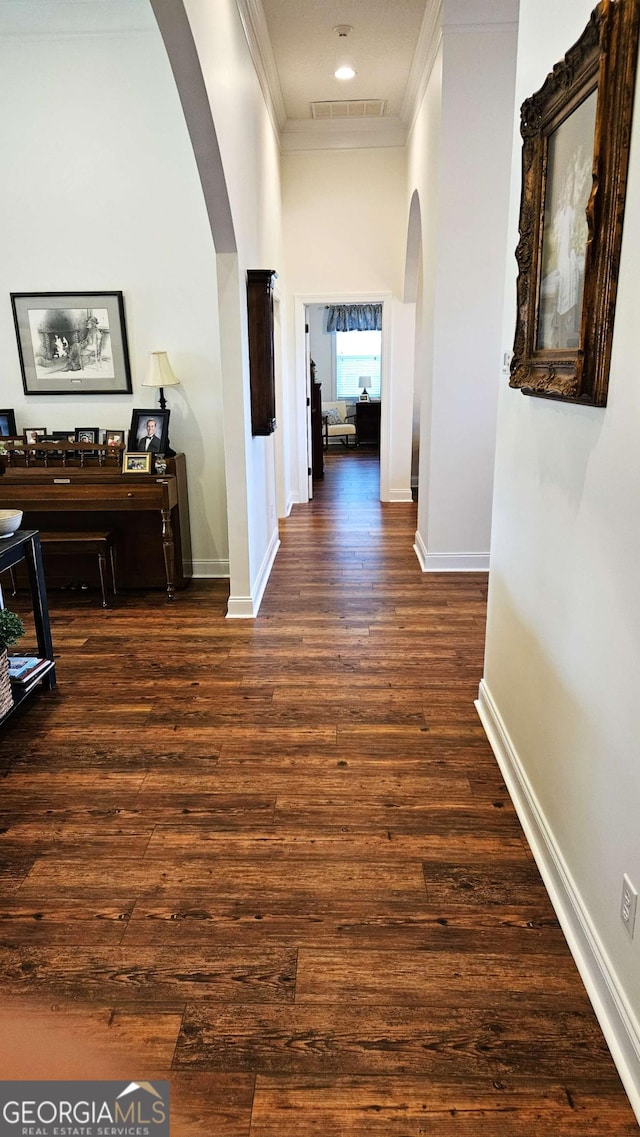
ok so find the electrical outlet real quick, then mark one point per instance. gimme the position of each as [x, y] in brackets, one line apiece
[628, 905]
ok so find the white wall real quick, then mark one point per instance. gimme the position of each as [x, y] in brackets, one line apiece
[344, 234]
[423, 182]
[99, 191]
[462, 174]
[251, 162]
[560, 693]
[421, 351]
[321, 346]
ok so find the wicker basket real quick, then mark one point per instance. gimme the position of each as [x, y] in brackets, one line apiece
[6, 694]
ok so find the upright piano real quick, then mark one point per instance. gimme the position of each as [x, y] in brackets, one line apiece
[73, 488]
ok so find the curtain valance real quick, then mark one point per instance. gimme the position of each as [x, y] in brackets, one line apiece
[354, 317]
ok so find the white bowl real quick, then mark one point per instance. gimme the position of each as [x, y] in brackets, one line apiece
[10, 520]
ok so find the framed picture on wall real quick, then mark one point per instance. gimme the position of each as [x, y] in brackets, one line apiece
[575, 149]
[72, 343]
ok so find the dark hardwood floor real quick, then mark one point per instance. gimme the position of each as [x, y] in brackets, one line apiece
[274, 860]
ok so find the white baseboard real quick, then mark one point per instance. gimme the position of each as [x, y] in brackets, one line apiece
[247, 607]
[457, 562]
[449, 562]
[400, 495]
[208, 570]
[617, 1020]
[420, 549]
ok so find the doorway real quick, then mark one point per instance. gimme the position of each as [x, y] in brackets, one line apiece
[345, 382]
[398, 323]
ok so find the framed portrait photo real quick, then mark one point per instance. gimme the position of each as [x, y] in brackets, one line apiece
[86, 434]
[114, 437]
[32, 434]
[149, 431]
[7, 424]
[576, 131]
[134, 462]
[72, 343]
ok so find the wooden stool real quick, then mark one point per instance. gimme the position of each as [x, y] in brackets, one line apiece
[99, 543]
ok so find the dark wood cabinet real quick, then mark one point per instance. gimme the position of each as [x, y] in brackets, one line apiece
[368, 423]
[261, 359]
[317, 441]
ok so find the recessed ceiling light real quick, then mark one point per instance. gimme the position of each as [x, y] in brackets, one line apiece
[344, 73]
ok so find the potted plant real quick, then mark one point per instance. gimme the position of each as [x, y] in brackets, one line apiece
[11, 628]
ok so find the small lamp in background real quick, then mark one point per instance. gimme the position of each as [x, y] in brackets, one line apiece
[160, 375]
[364, 382]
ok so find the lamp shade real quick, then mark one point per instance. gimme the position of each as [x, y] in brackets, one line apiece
[160, 371]
[364, 381]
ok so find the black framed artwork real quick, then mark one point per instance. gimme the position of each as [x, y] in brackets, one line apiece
[7, 424]
[87, 434]
[72, 343]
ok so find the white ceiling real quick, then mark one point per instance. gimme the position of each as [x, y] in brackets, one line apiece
[307, 50]
[295, 51]
[81, 17]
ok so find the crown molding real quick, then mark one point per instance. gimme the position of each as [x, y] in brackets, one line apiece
[427, 47]
[257, 35]
[342, 134]
[480, 15]
[447, 17]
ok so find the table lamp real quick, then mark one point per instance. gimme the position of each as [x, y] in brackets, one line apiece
[364, 381]
[160, 375]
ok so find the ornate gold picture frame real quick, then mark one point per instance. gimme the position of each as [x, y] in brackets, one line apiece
[575, 132]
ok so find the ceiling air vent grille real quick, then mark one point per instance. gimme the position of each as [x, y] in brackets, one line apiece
[349, 108]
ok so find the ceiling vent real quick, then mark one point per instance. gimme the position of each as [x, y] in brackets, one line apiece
[349, 108]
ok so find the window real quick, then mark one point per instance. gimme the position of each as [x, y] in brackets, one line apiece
[357, 353]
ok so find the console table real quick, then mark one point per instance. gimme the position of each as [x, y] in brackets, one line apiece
[149, 514]
[25, 546]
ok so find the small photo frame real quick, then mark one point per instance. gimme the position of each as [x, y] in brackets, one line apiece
[87, 434]
[33, 434]
[60, 436]
[149, 431]
[114, 437]
[7, 424]
[72, 343]
[134, 462]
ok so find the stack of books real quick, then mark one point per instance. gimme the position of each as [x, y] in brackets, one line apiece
[25, 669]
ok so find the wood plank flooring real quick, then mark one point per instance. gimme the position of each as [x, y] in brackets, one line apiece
[274, 860]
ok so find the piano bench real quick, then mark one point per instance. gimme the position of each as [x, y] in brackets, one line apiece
[100, 543]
